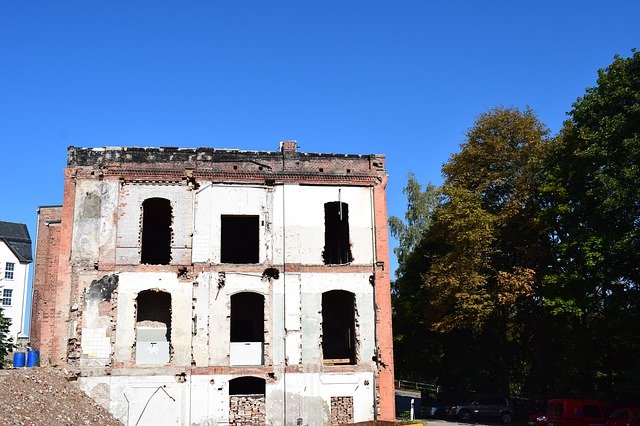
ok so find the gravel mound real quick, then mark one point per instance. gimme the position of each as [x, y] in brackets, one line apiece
[43, 396]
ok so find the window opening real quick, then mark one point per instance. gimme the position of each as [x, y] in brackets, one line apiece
[6, 297]
[247, 385]
[337, 246]
[338, 327]
[239, 239]
[8, 270]
[153, 327]
[156, 231]
[247, 317]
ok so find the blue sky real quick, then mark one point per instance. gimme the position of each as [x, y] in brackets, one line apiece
[401, 78]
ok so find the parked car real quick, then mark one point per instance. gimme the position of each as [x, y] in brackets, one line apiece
[538, 418]
[435, 409]
[629, 416]
[577, 412]
[496, 408]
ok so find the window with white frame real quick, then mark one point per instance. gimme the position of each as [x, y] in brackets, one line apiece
[8, 270]
[6, 297]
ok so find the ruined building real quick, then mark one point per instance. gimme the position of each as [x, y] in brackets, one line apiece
[206, 286]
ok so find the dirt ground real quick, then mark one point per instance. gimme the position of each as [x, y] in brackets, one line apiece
[43, 396]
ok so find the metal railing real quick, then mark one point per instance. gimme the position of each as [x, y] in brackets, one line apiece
[410, 385]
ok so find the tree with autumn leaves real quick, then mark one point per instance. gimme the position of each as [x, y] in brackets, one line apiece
[528, 255]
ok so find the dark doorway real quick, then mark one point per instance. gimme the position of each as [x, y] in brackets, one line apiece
[239, 239]
[337, 247]
[338, 327]
[156, 232]
[247, 317]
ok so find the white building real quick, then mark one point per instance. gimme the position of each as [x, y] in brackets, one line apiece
[15, 257]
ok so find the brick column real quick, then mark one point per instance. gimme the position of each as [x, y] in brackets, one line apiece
[384, 333]
[45, 278]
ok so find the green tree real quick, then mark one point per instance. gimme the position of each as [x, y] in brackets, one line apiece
[593, 188]
[485, 248]
[414, 344]
[6, 343]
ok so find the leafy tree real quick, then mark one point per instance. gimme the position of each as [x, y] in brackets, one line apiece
[593, 188]
[6, 343]
[485, 247]
[414, 342]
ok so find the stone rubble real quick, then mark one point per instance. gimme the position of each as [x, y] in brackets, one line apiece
[43, 396]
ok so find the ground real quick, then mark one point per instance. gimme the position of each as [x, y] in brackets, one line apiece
[43, 396]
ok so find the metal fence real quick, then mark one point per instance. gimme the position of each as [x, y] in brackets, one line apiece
[410, 385]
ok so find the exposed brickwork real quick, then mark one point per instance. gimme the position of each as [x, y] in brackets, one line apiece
[247, 410]
[385, 382]
[341, 410]
[45, 277]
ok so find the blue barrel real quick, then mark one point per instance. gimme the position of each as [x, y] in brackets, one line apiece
[33, 356]
[18, 359]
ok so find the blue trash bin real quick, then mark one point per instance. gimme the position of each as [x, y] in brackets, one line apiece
[33, 356]
[18, 359]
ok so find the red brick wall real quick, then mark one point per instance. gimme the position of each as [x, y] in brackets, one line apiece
[45, 278]
[385, 382]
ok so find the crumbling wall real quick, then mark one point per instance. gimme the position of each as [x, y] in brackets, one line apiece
[312, 287]
[301, 210]
[132, 195]
[215, 200]
[93, 222]
[130, 284]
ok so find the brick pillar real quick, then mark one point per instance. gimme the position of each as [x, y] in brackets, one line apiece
[385, 381]
[63, 288]
[45, 279]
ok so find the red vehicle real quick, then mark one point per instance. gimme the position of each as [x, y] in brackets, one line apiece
[629, 416]
[577, 412]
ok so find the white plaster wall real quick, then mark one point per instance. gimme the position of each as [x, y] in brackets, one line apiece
[93, 224]
[129, 221]
[204, 399]
[19, 285]
[220, 309]
[130, 284]
[312, 287]
[213, 201]
[301, 210]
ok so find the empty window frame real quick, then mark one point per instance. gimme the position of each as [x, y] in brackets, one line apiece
[338, 327]
[8, 270]
[156, 231]
[247, 317]
[6, 297]
[337, 246]
[239, 238]
[154, 311]
[247, 385]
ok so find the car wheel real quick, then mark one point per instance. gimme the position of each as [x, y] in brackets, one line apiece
[464, 415]
[506, 417]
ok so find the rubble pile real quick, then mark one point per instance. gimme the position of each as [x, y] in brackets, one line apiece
[43, 396]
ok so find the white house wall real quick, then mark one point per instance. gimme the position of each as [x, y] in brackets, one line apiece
[19, 285]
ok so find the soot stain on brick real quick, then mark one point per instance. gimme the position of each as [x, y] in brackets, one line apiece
[103, 288]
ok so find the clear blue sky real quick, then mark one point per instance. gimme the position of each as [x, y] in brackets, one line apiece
[401, 78]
